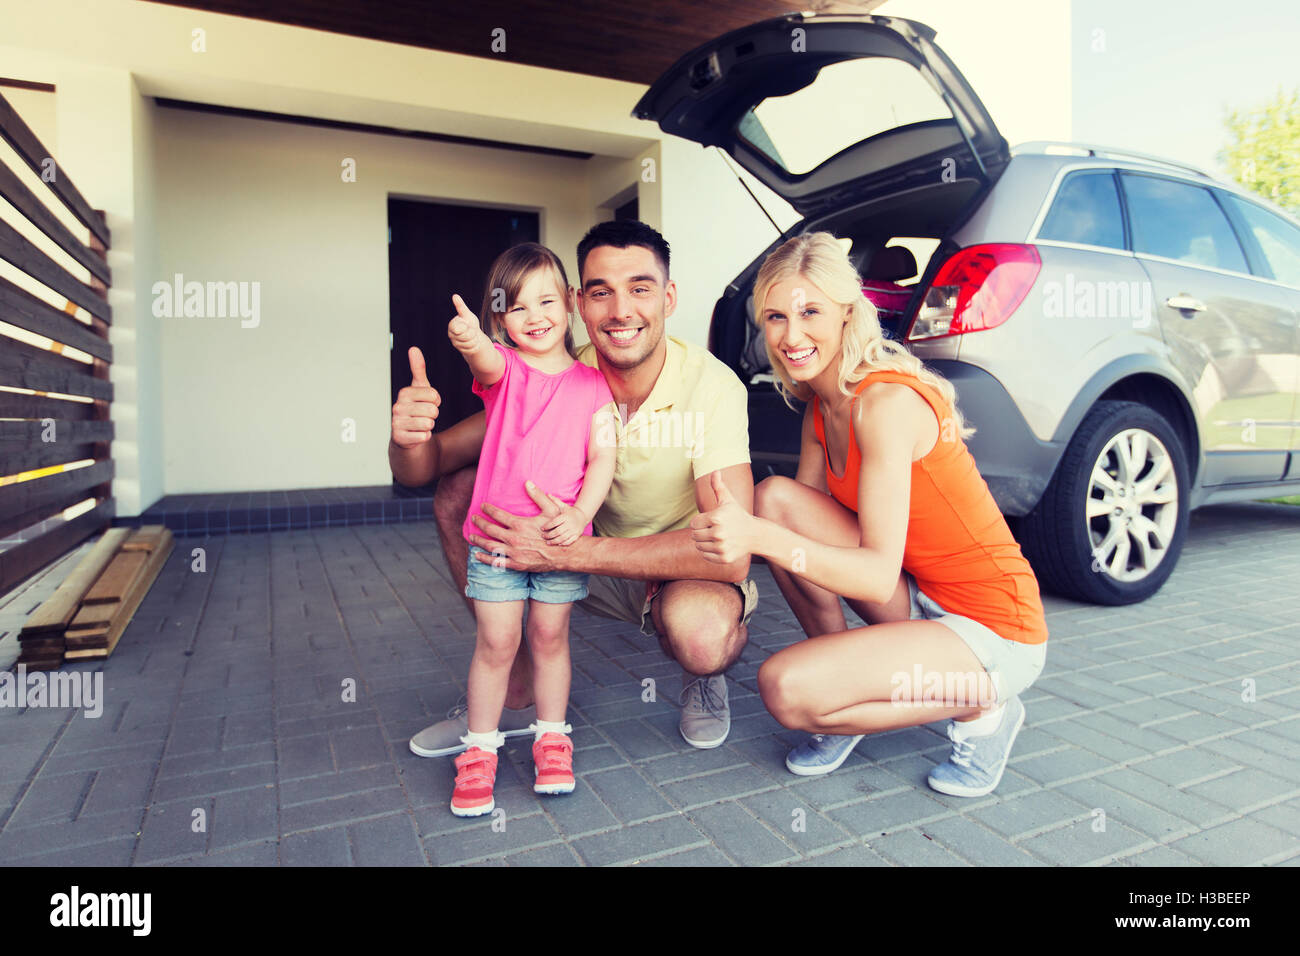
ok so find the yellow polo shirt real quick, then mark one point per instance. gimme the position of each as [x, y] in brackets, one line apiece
[694, 422]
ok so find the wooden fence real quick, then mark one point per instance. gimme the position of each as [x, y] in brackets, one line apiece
[44, 427]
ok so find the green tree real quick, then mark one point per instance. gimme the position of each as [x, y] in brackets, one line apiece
[1263, 151]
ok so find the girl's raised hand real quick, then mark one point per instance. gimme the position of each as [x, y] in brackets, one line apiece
[726, 533]
[464, 330]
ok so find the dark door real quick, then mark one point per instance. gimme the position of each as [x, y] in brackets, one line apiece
[434, 250]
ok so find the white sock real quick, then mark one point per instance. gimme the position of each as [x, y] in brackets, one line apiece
[540, 727]
[981, 726]
[489, 741]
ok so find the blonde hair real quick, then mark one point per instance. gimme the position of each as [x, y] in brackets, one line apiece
[506, 280]
[819, 258]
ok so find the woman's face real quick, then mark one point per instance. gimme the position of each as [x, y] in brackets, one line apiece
[803, 328]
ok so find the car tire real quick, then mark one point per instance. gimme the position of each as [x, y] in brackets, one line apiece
[1109, 528]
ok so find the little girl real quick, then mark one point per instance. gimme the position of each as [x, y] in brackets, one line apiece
[543, 410]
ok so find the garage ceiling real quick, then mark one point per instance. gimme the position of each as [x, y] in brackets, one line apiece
[633, 40]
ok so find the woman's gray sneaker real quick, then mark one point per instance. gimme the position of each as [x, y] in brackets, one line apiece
[821, 753]
[443, 738]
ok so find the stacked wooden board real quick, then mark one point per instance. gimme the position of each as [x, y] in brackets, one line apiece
[85, 617]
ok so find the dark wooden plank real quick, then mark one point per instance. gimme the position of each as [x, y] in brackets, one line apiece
[99, 640]
[21, 561]
[34, 432]
[26, 84]
[26, 366]
[16, 405]
[41, 512]
[26, 202]
[19, 307]
[16, 459]
[24, 254]
[24, 142]
[26, 495]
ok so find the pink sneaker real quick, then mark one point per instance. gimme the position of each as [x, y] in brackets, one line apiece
[553, 760]
[476, 773]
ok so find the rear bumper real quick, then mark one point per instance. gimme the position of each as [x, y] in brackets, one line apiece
[1014, 462]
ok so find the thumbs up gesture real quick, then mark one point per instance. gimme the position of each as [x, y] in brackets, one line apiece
[464, 329]
[726, 533]
[416, 408]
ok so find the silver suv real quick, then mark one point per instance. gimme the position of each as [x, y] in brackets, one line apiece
[1121, 330]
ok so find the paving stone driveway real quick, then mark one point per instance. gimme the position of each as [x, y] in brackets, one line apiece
[1164, 733]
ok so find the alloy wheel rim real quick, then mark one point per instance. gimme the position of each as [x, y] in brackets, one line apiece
[1131, 510]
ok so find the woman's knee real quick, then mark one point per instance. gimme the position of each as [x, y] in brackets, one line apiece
[784, 692]
[773, 497]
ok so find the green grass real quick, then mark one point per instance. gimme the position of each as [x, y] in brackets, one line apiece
[1288, 500]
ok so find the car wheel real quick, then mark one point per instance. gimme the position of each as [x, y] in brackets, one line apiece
[1111, 524]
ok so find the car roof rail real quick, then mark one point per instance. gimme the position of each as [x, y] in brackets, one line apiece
[1055, 148]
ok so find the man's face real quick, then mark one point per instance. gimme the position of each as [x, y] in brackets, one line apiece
[624, 302]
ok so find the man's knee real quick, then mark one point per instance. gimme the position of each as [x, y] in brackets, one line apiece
[703, 629]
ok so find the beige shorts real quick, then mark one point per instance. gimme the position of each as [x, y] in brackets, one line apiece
[626, 599]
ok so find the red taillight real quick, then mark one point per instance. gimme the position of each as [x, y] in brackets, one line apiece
[977, 288]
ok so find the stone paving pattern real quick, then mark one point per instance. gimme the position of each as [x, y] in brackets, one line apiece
[1144, 744]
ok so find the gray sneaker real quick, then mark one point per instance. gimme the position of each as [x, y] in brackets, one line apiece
[706, 718]
[443, 738]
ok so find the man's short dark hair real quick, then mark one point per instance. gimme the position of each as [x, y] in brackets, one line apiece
[622, 234]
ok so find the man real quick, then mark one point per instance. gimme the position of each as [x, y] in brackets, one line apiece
[682, 424]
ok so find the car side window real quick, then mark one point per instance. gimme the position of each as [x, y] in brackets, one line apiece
[1181, 221]
[1278, 240]
[1086, 211]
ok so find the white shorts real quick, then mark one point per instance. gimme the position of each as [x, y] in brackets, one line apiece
[1012, 665]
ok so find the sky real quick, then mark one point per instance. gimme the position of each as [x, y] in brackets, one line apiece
[1159, 75]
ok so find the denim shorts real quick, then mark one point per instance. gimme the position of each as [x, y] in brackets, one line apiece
[1012, 665]
[488, 583]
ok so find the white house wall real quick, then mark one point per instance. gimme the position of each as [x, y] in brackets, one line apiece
[299, 397]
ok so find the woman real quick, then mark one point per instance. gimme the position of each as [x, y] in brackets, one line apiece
[888, 511]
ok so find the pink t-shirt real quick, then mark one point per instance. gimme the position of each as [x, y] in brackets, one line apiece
[538, 426]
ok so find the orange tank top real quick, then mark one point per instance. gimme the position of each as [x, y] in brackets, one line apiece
[959, 548]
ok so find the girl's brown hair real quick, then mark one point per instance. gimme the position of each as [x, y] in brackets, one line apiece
[506, 280]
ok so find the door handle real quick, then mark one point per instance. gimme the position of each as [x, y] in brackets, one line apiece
[1185, 303]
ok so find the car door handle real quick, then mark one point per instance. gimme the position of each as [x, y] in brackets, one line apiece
[1185, 303]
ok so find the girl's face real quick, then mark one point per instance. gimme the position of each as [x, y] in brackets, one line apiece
[537, 320]
[803, 328]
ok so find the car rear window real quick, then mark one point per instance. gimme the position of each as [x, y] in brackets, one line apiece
[1086, 211]
[1180, 221]
[1278, 240]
